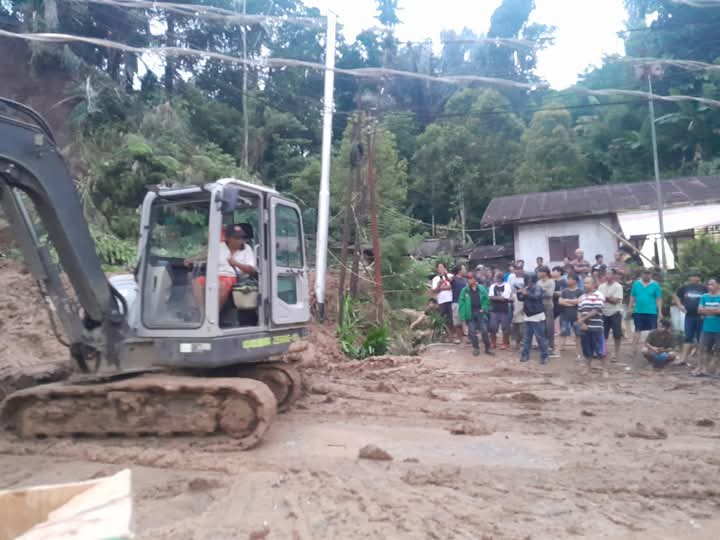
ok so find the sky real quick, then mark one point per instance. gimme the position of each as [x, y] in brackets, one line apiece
[586, 29]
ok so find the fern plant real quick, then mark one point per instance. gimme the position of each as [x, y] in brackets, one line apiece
[355, 345]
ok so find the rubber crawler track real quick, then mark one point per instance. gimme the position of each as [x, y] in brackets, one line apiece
[283, 379]
[157, 404]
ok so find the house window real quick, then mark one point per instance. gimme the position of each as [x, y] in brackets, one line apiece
[563, 246]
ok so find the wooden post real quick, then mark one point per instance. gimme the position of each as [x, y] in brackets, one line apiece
[379, 299]
[625, 242]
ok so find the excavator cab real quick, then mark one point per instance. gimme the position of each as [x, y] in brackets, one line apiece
[166, 350]
[182, 252]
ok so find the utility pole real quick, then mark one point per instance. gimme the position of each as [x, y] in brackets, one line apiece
[374, 220]
[658, 186]
[323, 221]
[246, 135]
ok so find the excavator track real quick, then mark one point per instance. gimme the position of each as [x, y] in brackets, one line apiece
[282, 378]
[154, 404]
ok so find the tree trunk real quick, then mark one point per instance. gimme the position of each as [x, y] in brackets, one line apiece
[359, 212]
[169, 78]
[355, 160]
[130, 61]
[50, 15]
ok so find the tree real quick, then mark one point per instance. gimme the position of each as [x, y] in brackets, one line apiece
[387, 12]
[466, 160]
[552, 155]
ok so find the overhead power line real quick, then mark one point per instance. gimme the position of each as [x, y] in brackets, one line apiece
[698, 3]
[367, 73]
[210, 12]
[690, 65]
[500, 42]
[644, 95]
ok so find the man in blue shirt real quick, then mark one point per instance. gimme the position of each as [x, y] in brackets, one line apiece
[710, 341]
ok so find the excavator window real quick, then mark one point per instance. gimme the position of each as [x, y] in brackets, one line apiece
[235, 313]
[288, 252]
[178, 233]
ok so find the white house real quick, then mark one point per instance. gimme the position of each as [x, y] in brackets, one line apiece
[554, 224]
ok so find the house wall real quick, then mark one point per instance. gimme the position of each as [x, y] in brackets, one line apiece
[531, 240]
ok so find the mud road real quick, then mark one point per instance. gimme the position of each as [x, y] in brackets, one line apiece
[481, 448]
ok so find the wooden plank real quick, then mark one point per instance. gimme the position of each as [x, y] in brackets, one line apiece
[92, 510]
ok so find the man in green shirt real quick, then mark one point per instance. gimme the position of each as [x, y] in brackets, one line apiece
[710, 341]
[645, 305]
[474, 308]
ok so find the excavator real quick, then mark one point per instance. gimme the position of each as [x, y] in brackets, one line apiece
[161, 351]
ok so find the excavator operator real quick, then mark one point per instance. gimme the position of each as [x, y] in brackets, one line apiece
[237, 259]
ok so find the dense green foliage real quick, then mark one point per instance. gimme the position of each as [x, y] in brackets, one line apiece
[438, 148]
[701, 255]
[357, 340]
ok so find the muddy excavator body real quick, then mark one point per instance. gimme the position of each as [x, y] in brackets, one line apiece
[154, 351]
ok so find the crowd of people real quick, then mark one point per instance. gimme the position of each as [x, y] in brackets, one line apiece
[583, 304]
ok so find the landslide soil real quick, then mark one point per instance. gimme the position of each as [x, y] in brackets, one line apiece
[28, 348]
[481, 448]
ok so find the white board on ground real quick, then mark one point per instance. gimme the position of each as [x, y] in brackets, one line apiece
[92, 510]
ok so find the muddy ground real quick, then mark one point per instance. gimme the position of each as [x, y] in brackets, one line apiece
[481, 448]
[537, 452]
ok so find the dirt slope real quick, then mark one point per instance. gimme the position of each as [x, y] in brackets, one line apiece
[27, 344]
[47, 94]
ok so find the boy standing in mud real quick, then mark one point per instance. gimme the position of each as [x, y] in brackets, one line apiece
[591, 324]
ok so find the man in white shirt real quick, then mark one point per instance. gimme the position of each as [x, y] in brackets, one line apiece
[612, 311]
[235, 258]
[442, 287]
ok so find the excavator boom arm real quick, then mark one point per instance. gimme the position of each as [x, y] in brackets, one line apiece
[30, 162]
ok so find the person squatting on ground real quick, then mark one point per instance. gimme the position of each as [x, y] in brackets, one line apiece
[500, 311]
[687, 299]
[430, 308]
[645, 305]
[458, 283]
[590, 320]
[710, 341]
[659, 346]
[569, 327]
[474, 308]
[534, 320]
[612, 311]
[442, 288]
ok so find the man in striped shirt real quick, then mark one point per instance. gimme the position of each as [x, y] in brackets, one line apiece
[591, 324]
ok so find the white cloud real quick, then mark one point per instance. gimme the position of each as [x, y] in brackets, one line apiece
[586, 29]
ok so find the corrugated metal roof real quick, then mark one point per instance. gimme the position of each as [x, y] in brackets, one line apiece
[605, 199]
